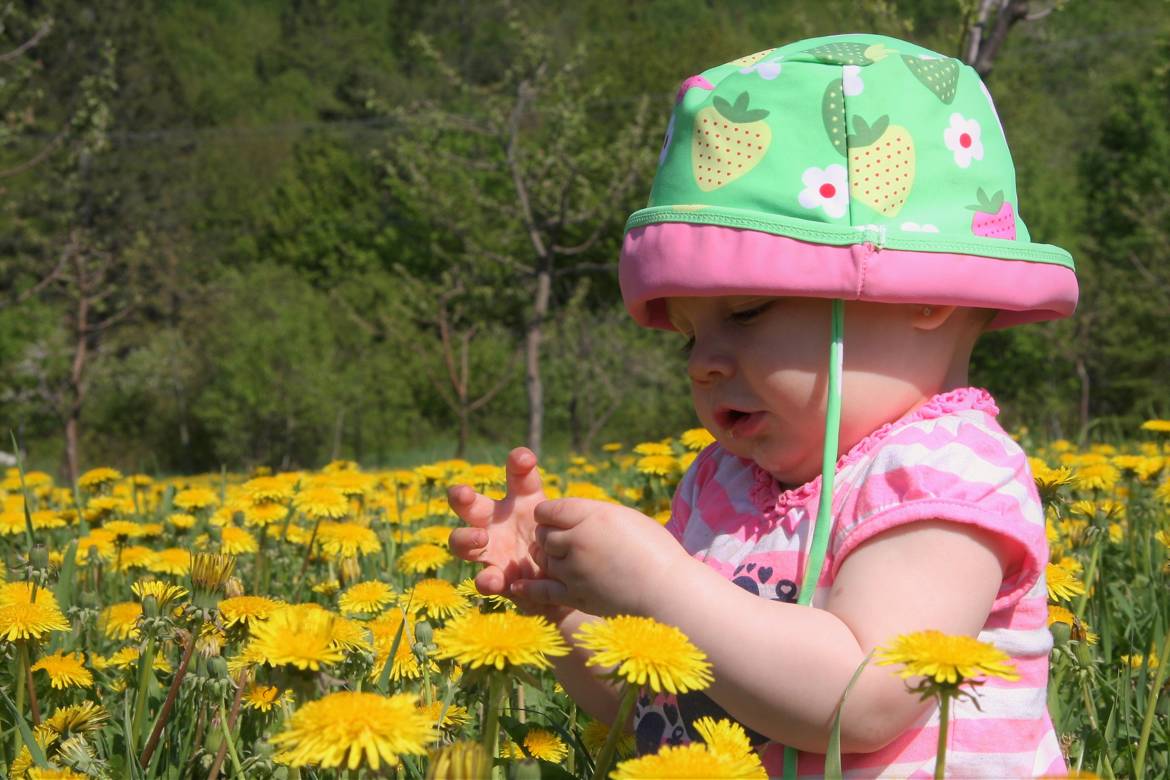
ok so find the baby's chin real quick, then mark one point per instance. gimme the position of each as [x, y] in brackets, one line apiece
[788, 468]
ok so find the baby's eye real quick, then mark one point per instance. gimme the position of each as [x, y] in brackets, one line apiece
[747, 315]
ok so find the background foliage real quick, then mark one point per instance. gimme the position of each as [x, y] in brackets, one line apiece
[220, 183]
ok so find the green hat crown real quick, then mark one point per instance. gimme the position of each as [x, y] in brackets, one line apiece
[830, 137]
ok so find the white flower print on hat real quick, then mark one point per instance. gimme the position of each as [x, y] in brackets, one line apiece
[826, 188]
[963, 139]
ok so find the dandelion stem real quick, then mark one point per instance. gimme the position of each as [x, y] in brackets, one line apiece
[22, 663]
[165, 713]
[944, 710]
[228, 724]
[145, 661]
[32, 690]
[1151, 706]
[491, 724]
[625, 707]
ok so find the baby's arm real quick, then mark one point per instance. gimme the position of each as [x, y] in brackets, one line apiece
[500, 534]
[781, 668]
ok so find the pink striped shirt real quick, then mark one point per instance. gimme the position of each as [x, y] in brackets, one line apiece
[947, 459]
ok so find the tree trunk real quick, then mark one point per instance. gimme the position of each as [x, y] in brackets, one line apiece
[532, 379]
[464, 431]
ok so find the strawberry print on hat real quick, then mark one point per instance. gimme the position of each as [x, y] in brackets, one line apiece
[963, 139]
[881, 164]
[730, 139]
[994, 217]
[826, 188]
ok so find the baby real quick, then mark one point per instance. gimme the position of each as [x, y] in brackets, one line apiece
[852, 179]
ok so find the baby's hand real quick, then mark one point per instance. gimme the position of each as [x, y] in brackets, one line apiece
[502, 534]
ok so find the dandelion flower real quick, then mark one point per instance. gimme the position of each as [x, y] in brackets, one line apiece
[96, 479]
[237, 541]
[52, 773]
[645, 651]
[437, 598]
[163, 593]
[1159, 426]
[264, 515]
[77, 719]
[595, 734]
[658, 465]
[23, 616]
[422, 558]
[322, 503]
[696, 439]
[946, 658]
[385, 628]
[347, 540]
[434, 534]
[65, 670]
[1062, 583]
[263, 698]
[366, 597]
[499, 639]
[246, 609]
[652, 448]
[1139, 660]
[725, 754]
[296, 637]
[1097, 476]
[353, 729]
[267, 490]
[120, 620]
[545, 745]
[454, 717]
[195, 499]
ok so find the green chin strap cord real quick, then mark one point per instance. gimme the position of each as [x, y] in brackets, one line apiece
[820, 541]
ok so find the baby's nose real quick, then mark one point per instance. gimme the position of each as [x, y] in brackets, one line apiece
[709, 362]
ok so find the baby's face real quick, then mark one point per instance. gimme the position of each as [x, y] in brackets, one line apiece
[759, 373]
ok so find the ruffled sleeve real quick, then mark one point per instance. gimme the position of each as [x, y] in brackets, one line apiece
[960, 467]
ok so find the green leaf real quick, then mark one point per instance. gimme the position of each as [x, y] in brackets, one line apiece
[38, 755]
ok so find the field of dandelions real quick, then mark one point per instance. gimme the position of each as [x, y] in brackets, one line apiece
[315, 625]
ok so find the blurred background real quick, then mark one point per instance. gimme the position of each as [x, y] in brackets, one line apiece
[288, 231]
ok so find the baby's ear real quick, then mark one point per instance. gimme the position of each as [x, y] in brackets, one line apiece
[930, 316]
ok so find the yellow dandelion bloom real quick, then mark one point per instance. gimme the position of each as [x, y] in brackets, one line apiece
[422, 558]
[499, 639]
[46, 518]
[65, 670]
[267, 490]
[74, 719]
[25, 616]
[96, 479]
[945, 658]
[384, 629]
[725, 753]
[436, 598]
[264, 515]
[298, 637]
[434, 534]
[366, 597]
[195, 499]
[237, 541]
[246, 610]
[611, 446]
[1062, 583]
[1139, 660]
[652, 448]
[545, 745]
[696, 439]
[658, 465]
[173, 560]
[263, 698]
[347, 540]
[120, 620]
[1159, 426]
[163, 593]
[646, 652]
[454, 717]
[353, 729]
[1097, 476]
[322, 503]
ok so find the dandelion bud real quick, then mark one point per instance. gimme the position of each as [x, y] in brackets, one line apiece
[39, 557]
[424, 633]
[1060, 633]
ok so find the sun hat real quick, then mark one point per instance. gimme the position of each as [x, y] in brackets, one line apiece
[848, 167]
[859, 167]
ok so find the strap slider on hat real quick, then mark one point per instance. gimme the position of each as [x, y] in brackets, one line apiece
[874, 234]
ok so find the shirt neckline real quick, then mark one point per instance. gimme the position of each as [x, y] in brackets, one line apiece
[774, 502]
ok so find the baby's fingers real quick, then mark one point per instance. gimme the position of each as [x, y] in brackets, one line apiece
[523, 477]
[473, 508]
[468, 543]
[544, 592]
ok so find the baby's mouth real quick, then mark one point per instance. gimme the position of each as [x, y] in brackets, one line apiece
[726, 417]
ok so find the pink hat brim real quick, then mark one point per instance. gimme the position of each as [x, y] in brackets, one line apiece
[666, 259]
